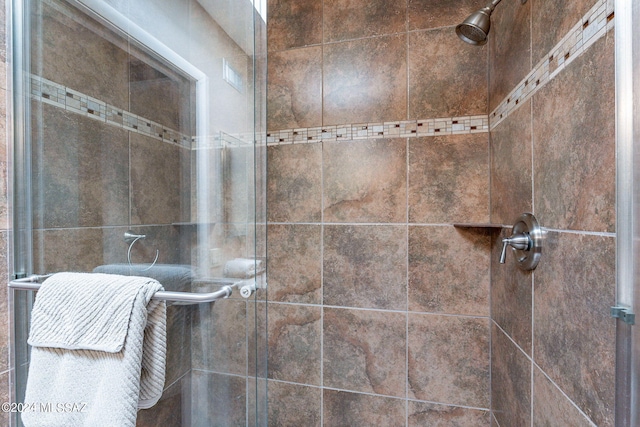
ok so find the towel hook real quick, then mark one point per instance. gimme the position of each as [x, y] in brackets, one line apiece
[131, 238]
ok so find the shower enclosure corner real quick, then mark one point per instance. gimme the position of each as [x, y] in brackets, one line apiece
[140, 149]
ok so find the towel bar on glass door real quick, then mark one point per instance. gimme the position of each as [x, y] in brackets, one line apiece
[32, 283]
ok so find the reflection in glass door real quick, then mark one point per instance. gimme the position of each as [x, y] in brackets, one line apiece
[147, 118]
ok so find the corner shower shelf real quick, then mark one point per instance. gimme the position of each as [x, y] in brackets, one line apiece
[477, 225]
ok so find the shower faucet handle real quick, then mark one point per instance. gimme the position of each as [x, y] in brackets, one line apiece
[521, 241]
[527, 238]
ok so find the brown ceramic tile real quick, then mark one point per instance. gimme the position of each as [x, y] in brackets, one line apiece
[365, 80]
[5, 311]
[352, 19]
[258, 339]
[426, 14]
[97, 67]
[178, 359]
[449, 270]
[159, 189]
[358, 274]
[160, 94]
[431, 414]
[510, 382]
[219, 337]
[342, 408]
[365, 181]
[5, 396]
[293, 24]
[172, 408]
[71, 250]
[80, 170]
[510, 49]
[574, 167]
[294, 343]
[294, 192]
[574, 333]
[447, 77]
[225, 403]
[295, 89]
[449, 359]
[449, 179]
[511, 186]
[294, 405]
[365, 351]
[295, 263]
[552, 20]
[551, 407]
[511, 295]
[172, 246]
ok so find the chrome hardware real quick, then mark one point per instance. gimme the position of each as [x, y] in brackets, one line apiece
[624, 314]
[526, 240]
[131, 238]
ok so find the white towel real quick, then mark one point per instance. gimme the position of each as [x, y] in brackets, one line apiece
[98, 350]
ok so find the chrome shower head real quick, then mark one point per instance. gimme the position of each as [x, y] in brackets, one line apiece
[475, 29]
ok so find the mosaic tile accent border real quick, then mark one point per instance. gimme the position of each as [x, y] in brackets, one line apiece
[397, 129]
[593, 25]
[68, 99]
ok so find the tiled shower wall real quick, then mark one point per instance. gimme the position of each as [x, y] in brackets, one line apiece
[380, 309]
[379, 306]
[553, 341]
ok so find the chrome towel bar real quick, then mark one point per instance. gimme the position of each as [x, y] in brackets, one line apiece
[32, 283]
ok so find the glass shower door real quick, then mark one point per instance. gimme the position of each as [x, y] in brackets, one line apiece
[145, 118]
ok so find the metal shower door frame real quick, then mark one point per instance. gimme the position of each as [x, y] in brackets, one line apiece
[627, 52]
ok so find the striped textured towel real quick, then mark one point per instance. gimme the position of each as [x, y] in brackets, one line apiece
[99, 350]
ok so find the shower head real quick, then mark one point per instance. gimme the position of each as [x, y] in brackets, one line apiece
[475, 28]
